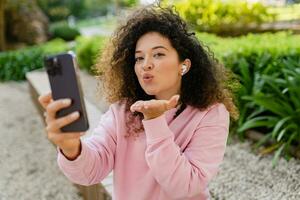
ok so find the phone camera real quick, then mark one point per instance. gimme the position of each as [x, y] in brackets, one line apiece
[53, 66]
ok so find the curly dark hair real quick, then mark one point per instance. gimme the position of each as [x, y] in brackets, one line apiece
[205, 84]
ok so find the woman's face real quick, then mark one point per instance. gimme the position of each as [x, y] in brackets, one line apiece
[157, 66]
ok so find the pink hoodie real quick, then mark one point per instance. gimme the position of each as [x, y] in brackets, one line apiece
[172, 159]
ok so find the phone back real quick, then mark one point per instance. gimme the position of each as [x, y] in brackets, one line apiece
[65, 83]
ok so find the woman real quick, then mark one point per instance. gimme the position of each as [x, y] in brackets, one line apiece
[165, 133]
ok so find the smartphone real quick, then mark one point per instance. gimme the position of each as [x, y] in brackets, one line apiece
[64, 83]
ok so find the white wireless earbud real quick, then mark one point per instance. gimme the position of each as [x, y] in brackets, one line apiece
[183, 68]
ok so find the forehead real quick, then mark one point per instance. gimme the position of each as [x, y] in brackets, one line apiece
[152, 39]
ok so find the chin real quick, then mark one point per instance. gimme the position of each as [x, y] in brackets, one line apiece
[150, 92]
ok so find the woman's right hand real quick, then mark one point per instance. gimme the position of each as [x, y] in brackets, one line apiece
[68, 142]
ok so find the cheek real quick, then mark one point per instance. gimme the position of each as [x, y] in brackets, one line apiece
[136, 71]
[168, 70]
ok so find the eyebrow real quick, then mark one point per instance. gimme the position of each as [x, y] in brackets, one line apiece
[156, 47]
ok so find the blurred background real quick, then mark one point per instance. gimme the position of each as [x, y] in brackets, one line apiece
[258, 40]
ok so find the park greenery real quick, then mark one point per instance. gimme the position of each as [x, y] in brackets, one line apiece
[58, 10]
[221, 17]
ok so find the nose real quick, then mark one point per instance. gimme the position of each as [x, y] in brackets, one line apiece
[147, 65]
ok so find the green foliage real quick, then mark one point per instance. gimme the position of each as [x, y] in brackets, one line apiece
[97, 7]
[223, 17]
[58, 10]
[15, 64]
[55, 9]
[87, 50]
[279, 99]
[268, 69]
[129, 3]
[63, 31]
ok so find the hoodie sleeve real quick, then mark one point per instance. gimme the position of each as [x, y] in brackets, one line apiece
[96, 159]
[185, 174]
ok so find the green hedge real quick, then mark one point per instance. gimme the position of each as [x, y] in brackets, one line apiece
[14, 64]
[87, 50]
[267, 66]
[64, 31]
[233, 17]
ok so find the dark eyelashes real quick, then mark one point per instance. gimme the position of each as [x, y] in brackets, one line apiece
[160, 54]
[140, 58]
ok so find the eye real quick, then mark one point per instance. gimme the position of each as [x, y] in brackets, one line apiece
[137, 59]
[158, 55]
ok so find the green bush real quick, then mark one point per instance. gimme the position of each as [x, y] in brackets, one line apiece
[128, 3]
[64, 31]
[15, 64]
[223, 17]
[257, 60]
[87, 50]
[57, 10]
[279, 105]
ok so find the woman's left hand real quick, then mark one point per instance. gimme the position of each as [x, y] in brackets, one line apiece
[154, 108]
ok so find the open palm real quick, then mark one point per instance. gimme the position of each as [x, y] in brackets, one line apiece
[154, 108]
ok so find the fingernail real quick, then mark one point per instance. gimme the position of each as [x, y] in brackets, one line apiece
[66, 101]
[75, 114]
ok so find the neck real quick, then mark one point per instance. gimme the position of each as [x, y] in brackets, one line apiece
[166, 96]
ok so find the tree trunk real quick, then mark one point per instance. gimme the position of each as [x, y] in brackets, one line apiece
[2, 25]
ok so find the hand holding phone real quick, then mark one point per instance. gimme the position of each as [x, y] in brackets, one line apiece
[69, 142]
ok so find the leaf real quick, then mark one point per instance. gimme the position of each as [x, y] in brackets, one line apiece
[267, 121]
[279, 125]
[282, 132]
[273, 104]
[271, 81]
[262, 140]
[277, 154]
[289, 127]
[269, 149]
[256, 112]
[246, 76]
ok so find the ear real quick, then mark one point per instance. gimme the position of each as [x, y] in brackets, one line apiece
[187, 63]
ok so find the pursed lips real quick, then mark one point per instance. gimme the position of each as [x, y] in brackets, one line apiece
[147, 78]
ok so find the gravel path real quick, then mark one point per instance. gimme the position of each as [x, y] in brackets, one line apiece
[28, 167]
[246, 176]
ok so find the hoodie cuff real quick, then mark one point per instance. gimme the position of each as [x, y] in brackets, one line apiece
[77, 163]
[157, 129]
